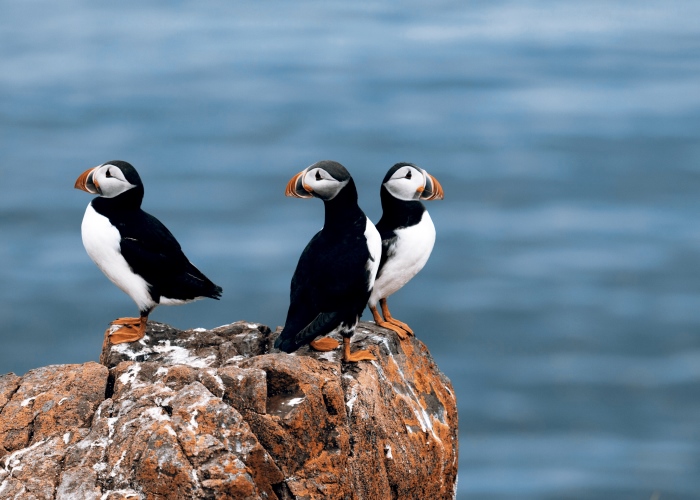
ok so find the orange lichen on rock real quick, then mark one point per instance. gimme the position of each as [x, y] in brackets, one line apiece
[215, 414]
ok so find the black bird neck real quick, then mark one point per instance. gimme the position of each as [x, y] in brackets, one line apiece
[399, 213]
[343, 210]
[129, 200]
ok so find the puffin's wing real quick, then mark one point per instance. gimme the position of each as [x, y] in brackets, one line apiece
[153, 252]
[289, 341]
[149, 245]
[306, 318]
[388, 250]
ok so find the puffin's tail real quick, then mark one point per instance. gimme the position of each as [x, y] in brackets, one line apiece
[286, 344]
[216, 292]
[289, 341]
[202, 286]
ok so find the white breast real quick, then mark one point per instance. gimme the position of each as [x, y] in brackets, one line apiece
[410, 253]
[374, 245]
[101, 241]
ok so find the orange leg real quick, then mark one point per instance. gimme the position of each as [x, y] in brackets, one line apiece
[133, 329]
[324, 344]
[385, 324]
[357, 355]
[393, 321]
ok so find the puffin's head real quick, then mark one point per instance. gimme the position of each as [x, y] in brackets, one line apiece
[109, 179]
[324, 179]
[408, 182]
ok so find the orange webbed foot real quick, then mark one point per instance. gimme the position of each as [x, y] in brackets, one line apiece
[403, 335]
[356, 356]
[132, 329]
[403, 326]
[324, 344]
[389, 324]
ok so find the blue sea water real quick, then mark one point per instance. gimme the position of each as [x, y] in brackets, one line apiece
[563, 295]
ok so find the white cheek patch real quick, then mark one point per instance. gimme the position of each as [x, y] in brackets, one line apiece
[405, 189]
[325, 188]
[114, 185]
[116, 172]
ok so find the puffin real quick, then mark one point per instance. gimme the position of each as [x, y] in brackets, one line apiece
[336, 271]
[408, 236]
[134, 249]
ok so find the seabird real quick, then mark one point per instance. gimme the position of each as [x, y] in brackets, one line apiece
[134, 249]
[407, 233]
[336, 271]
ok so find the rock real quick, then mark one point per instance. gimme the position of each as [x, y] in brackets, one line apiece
[214, 414]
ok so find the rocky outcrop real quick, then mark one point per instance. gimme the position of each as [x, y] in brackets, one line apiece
[213, 414]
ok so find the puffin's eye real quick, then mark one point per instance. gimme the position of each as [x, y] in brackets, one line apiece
[408, 175]
[108, 174]
[318, 175]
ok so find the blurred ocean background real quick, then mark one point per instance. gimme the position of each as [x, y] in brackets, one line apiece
[563, 295]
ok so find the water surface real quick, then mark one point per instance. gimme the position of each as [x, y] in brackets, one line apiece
[562, 295]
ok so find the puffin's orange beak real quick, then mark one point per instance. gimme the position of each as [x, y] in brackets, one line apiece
[432, 189]
[297, 188]
[87, 183]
